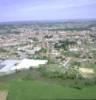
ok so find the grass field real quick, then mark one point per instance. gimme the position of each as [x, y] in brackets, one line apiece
[21, 88]
[37, 90]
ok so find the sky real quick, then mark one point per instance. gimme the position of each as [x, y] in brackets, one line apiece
[20, 10]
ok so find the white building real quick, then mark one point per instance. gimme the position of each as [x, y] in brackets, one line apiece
[29, 63]
[9, 66]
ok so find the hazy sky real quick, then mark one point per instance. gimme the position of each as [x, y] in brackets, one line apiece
[15, 10]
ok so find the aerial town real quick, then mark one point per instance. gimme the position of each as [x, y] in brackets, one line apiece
[47, 49]
[61, 50]
[65, 43]
[61, 42]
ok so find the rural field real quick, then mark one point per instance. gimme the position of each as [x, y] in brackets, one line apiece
[26, 86]
[36, 90]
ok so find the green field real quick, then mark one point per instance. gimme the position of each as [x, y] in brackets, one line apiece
[26, 86]
[37, 90]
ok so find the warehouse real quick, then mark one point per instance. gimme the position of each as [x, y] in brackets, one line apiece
[10, 66]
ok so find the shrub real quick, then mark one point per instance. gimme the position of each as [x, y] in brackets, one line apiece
[28, 77]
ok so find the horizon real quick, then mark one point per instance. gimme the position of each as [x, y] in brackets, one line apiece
[50, 21]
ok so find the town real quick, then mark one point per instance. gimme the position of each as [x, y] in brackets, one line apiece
[56, 50]
[61, 42]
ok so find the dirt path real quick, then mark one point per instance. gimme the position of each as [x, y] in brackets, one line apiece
[3, 95]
